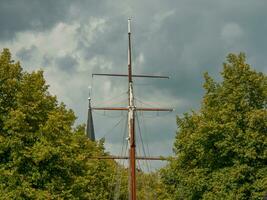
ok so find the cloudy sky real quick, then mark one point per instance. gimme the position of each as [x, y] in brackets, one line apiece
[70, 40]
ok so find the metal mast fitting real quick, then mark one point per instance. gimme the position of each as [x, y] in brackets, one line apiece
[131, 119]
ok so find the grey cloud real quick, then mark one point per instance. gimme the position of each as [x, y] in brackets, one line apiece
[184, 44]
[25, 15]
[182, 39]
[26, 53]
[109, 43]
[47, 61]
[66, 63]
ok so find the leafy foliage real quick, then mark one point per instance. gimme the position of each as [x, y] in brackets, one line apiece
[41, 155]
[150, 186]
[222, 150]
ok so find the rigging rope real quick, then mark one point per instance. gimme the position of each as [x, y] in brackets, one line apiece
[148, 103]
[145, 130]
[108, 116]
[147, 163]
[119, 176]
[110, 130]
[142, 143]
[113, 98]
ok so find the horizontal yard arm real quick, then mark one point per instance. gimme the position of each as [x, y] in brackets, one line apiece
[137, 109]
[126, 75]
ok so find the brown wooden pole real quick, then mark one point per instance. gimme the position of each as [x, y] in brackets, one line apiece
[131, 121]
[136, 109]
[129, 53]
[155, 109]
[127, 157]
[133, 75]
[133, 160]
[109, 108]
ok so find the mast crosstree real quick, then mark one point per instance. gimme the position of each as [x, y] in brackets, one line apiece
[131, 118]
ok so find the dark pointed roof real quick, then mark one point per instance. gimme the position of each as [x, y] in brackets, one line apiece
[90, 132]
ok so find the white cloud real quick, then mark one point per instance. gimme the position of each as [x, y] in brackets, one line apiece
[91, 29]
[62, 40]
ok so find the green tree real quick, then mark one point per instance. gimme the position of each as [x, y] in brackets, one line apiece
[150, 187]
[221, 151]
[42, 155]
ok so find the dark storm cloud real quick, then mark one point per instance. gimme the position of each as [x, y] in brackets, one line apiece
[182, 39]
[46, 61]
[26, 53]
[25, 15]
[189, 40]
[110, 43]
[66, 63]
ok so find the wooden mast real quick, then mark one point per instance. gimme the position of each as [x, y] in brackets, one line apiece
[131, 119]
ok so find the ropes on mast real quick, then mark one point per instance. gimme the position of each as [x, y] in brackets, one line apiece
[118, 171]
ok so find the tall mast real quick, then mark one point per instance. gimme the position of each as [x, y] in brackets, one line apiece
[131, 120]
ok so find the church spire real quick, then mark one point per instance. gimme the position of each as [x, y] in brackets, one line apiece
[90, 132]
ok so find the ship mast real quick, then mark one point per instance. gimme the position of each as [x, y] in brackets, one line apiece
[131, 119]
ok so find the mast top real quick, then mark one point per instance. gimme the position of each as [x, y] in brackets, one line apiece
[129, 25]
[89, 93]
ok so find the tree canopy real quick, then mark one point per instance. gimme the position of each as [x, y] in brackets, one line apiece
[221, 151]
[42, 154]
